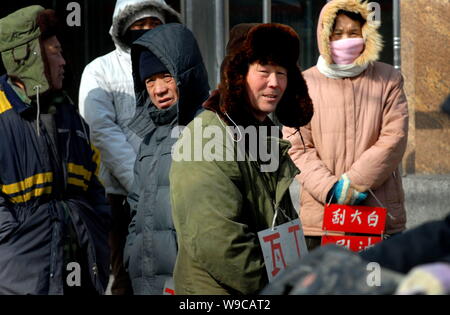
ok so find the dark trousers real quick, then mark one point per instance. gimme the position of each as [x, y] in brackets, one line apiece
[117, 238]
[312, 242]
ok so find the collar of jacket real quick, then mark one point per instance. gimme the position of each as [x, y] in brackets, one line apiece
[16, 102]
[163, 116]
[22, 104]
[247, 119]
[20, 93]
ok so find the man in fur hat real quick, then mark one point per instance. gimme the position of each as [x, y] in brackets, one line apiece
[219, 204]
[107, 102]
[54, 218]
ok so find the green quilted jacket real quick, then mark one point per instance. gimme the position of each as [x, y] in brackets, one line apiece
[218, 208]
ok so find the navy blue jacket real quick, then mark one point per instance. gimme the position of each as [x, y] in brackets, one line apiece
[43, 181]
[425, 244]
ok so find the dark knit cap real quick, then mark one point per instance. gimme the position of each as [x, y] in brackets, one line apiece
[150, 65]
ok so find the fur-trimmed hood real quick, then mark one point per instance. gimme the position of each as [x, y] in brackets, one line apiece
[126, 11]
[372, 38]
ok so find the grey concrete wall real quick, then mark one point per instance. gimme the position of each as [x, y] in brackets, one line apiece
[427, 197]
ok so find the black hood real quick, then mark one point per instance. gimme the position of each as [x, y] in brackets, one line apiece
[176, 47]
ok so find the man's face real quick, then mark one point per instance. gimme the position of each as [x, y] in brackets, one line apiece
[147, 23]
[56, 62]
[265, 87]
[346, 28]
[162, 89]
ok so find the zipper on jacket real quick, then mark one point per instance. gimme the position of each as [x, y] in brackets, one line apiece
[91, 258]
[95, 272]
[54, 283]
[272, 196]
[53, 250]
[56, 162]
[64, 163]
[276, 206]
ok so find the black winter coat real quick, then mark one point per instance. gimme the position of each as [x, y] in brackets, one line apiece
[151, 247]
[427, 243]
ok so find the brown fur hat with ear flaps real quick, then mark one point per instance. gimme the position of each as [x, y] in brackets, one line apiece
[238, 34]
[270, 43]
[48, 23]
[49, 26]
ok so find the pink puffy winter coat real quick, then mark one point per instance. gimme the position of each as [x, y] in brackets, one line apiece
[359, 127]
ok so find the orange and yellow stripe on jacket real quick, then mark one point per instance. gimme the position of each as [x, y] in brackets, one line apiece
[4, 103]
[79, 176]
[31, 187]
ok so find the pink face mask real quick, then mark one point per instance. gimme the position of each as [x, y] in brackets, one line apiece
[345, 51]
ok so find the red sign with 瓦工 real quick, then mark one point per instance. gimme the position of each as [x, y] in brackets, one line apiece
[282, 246]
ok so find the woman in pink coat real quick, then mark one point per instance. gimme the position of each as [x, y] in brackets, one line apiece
[356, 139]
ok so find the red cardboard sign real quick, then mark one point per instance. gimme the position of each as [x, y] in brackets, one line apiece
[169, 291]
[169, 287]
[354, 219]
[353, 243]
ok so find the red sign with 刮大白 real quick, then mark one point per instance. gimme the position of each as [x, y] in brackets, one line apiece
[354, 219]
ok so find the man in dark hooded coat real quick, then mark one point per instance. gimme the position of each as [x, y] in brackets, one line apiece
[171, 84]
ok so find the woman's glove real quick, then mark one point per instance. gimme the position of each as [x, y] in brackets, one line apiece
[344, 194]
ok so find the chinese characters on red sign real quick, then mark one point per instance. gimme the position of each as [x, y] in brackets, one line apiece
[354, 219]
[353, 243]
